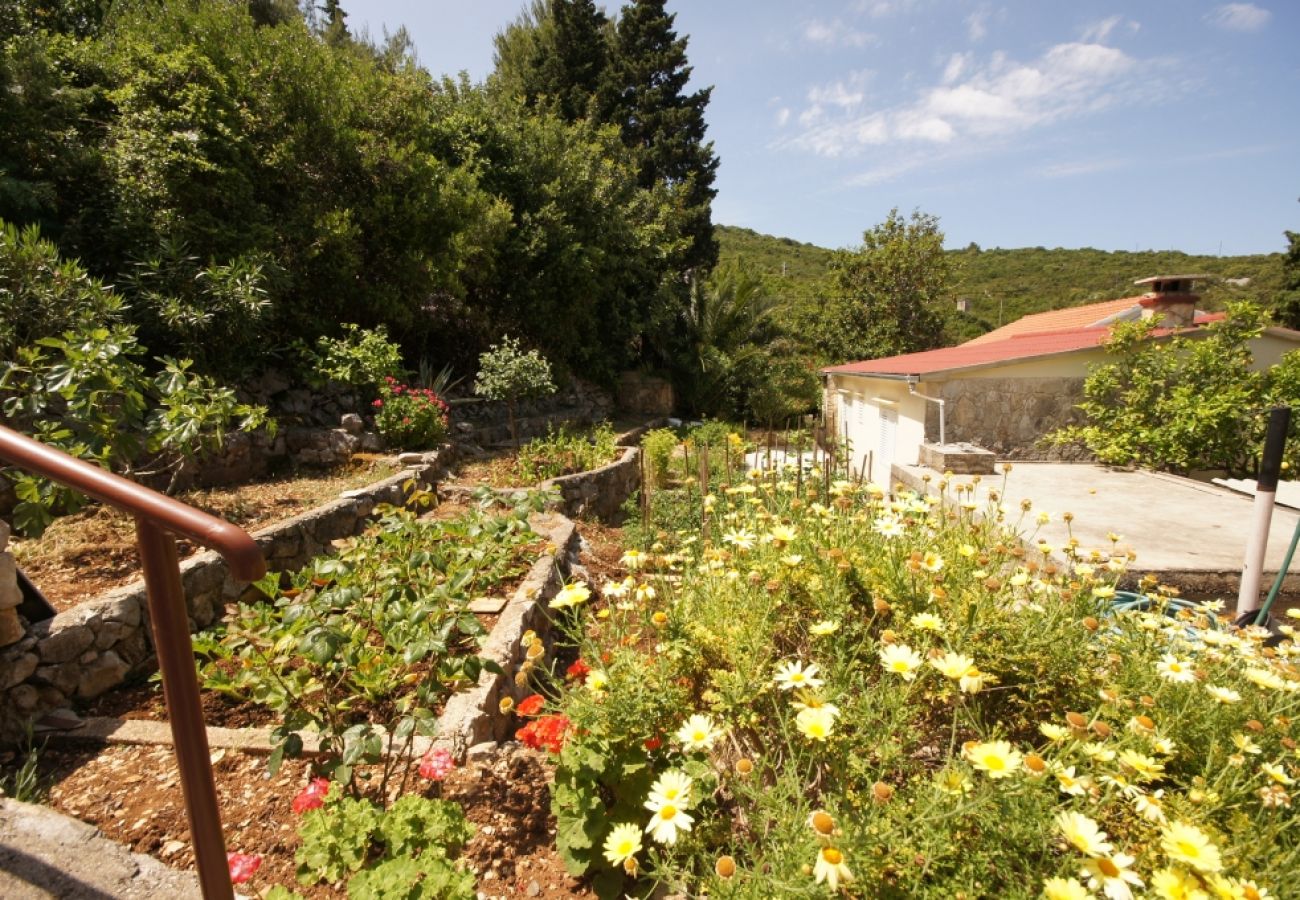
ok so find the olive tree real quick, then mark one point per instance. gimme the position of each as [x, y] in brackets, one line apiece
[507, 373]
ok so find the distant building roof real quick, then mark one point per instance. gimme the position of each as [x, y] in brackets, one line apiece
[1014, 348]
[1094, 314]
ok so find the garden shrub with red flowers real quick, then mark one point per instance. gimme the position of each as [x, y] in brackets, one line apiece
[412, 418]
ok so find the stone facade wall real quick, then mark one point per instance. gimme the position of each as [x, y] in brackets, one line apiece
[1008, 415]
[82, 652]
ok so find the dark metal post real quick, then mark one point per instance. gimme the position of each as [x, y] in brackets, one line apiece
[168, 618]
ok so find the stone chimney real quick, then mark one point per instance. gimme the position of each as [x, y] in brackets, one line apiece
[1170, 299]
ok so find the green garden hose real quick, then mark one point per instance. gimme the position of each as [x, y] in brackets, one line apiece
[1262, 615]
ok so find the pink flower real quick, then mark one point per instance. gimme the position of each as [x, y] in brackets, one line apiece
[312, 796]
[377, 404]
[436, 764]
[243, 866]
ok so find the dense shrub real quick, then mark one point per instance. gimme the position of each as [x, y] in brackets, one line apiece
[411, 418]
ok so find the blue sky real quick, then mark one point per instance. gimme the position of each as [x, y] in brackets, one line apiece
[1159, 125]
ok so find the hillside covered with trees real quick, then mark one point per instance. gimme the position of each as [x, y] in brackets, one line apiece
[1003, 285]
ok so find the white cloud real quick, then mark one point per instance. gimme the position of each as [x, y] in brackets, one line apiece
[836, 34]
[971, 102]
[1099, 31]
[956, 65]
[1239, 17]
[977, 24]
[879, 9]
[782, 116]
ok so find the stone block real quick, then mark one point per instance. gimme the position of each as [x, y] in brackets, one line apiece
[11, 628]
[16, 668]
[25, 697]
[62, 677]
[112, 632]
[124, 609]
[64, 644]
[960, 459]
[105, 672]
[10, 595]
[4, 536]
[351, 423]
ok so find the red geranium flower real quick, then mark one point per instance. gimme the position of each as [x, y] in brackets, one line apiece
[546, 733]
[579, 669]
[243, 866]
[436, 764]
[312, 796]
[531, 705]
[378, 404]
[654, 743]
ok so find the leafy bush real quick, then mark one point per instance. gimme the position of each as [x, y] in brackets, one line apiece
[88, 393]
[378, 635]
[407, 850]
[361, 358]
[915, 697]
[658, 446]
[508, 374]
[1185, 403]
[42, 295]
[565, 452]
[409, 417]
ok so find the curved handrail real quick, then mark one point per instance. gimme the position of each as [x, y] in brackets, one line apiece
[155, 515]
[232, 542]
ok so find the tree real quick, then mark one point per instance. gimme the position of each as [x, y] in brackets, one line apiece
[555, 55]
[646, 83]
[1286, 308]
[507, 373]
[886, 297]
[1185, 403]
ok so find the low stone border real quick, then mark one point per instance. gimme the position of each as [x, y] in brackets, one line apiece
[84, 651]
[474, 716]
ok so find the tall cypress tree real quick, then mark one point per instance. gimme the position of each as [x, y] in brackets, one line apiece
[555, 54]
[645, 94]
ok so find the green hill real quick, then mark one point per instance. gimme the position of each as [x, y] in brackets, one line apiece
[1004, 285]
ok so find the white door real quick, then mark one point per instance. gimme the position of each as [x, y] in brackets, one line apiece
[883, 464]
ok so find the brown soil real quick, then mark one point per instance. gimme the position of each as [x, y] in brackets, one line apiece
[87, 553]
[133, 795]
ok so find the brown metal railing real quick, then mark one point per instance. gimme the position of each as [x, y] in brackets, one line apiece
[157, 517]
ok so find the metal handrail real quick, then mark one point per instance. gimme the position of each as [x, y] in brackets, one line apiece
[156, 517]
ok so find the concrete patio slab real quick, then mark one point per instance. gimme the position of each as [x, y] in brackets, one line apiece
[1189, 533]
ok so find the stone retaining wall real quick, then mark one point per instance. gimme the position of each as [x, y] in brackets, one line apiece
[84, 651]
[485, 422]
[601, 492]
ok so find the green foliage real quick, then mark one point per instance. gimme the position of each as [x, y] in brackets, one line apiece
[407, 851]
[659, 446]
[1183, 403]
[408, 417]
[42, 295]
[508, 373]
[361, 358]
[380, 634]
[25, 783]
[555, 56]
[887, 295]
[565, 452]
[88, 393]
[1286, 306]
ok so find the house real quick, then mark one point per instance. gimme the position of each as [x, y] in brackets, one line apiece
[1003, 390]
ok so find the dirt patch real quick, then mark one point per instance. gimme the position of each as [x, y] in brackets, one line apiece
[82, 555]
[133, 795]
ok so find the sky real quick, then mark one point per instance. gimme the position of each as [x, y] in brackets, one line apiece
[1167, 125]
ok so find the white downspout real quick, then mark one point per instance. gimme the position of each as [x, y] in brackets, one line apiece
[911, 389]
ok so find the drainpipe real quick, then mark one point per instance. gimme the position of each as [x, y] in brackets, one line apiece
[911, 389]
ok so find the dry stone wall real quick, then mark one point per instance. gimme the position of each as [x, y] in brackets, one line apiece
[1008, 415]
[82, 652]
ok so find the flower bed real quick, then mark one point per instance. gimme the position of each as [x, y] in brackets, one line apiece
[824, 688]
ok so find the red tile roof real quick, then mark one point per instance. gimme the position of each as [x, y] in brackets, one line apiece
[974, 354]
[1059, 319]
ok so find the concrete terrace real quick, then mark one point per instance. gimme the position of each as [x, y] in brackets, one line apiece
[1188, 533]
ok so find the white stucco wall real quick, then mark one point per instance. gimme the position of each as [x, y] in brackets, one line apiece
[862, 405]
